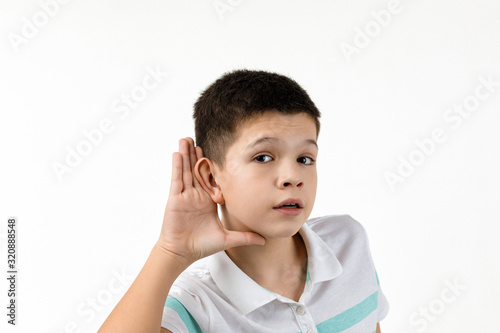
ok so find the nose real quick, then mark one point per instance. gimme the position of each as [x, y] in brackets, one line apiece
[289, 176]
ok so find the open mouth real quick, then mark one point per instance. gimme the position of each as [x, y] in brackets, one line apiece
[289, 209]
[288, 206]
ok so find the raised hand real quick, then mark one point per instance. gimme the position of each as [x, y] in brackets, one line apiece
[191, 226]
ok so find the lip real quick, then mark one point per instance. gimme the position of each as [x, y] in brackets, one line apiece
[289, 211]
[290, 201]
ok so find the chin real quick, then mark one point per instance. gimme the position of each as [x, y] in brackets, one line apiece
[284, 232]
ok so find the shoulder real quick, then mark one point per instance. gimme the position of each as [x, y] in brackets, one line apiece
[195, 278]
[183, 309]
[348, 240]
[336, 225]
[193, 287]
[341, 233]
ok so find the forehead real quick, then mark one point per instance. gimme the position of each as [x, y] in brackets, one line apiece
[277, 124]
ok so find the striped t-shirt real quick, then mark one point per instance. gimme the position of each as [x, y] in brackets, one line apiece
[342, 292]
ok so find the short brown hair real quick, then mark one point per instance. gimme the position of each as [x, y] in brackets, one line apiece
[238, 96]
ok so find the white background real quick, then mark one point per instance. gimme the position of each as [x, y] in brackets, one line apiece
[101, 220]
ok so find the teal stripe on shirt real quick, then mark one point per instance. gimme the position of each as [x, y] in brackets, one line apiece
[350, 317]
[308, 276]
[186, 317]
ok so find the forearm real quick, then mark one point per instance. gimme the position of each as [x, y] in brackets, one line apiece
[141, 308]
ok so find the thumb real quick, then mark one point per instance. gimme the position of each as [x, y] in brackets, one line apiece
[242, 238]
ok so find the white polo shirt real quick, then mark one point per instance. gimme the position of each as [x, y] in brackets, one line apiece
[342, 292]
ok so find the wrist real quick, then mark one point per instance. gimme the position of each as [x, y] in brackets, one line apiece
[165, 255]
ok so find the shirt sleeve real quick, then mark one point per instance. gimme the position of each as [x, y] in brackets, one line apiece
[383, 304]
[177, 318]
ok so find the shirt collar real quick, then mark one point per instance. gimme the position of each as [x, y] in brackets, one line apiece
[243, 292]
[322, 264]
[246, 295]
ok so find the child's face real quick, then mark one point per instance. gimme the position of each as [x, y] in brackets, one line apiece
[258, 177]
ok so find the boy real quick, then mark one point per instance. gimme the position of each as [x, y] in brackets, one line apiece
[260, 267]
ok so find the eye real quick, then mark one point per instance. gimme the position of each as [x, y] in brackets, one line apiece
[306, 160]
[263, 158]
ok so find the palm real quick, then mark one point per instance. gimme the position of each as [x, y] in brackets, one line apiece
[191, 227]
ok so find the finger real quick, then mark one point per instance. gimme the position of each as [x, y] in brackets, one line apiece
[176, 182]
[192, 152]
[239, 238]
[199, 155]
[193, 160]
[199, 152]
[187, 177]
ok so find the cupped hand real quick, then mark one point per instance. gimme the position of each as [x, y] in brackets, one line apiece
[191, 226]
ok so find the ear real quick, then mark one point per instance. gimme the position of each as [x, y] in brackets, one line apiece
[204, 171]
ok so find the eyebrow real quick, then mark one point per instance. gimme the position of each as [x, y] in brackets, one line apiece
[276, 140]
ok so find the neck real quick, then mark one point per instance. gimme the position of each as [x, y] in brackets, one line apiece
[280, 265]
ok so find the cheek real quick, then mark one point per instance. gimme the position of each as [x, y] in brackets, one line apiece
[313, 185]
[242, 191]
[250, 195]
[314, 179]
[234, 168]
